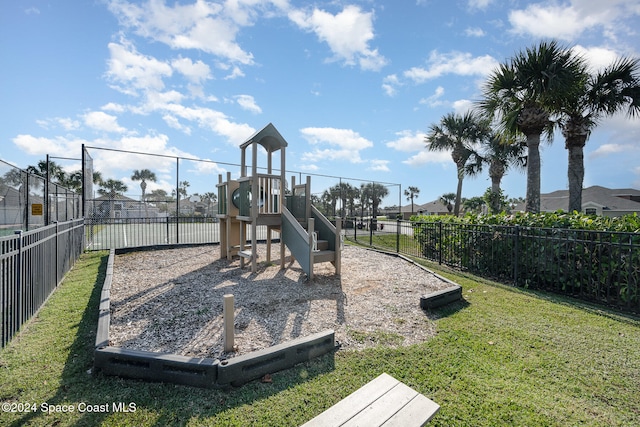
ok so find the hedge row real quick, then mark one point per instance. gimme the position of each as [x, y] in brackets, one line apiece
[593, 258]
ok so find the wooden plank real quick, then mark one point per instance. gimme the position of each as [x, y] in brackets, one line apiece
[383, 408]
[351, 405]
[420, 409]
[248, 254]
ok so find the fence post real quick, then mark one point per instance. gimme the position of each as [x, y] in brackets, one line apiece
[57, 252]
[517, 255]
[371, 231]
[19, 262]
[440, 242]
[398, 235]
[228, 322]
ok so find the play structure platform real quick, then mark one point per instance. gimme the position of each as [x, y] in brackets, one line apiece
[262, 199]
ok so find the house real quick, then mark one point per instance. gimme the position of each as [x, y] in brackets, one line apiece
[596, 200]
[122, 207]
[435, 207]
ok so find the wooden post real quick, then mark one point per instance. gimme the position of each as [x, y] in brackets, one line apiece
[228, 322]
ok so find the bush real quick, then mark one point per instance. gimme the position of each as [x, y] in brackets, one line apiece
[594, 258]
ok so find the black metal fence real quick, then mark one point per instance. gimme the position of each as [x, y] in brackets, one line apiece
[597, 266]
[32, 263]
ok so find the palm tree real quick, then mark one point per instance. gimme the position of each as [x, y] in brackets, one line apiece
[501, 152]
[446, 200]
[473, 204]
[523, 93]
[112, 188]
[97, 178]
[458, 133]
[143, 176]
[209, 197]
[411, 192]
[596, 95]
[374, 193]
[48, 169]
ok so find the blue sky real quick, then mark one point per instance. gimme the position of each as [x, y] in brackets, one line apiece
[353, 86]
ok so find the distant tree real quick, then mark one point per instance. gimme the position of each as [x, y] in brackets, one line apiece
[458, 134]
[112, 188]
[446, 200]
[72, 181]
[496, 201]
[143, 176]
[160, 197]
[374, 193]
[474, 204]
[411, 193]
[209, 198]
[56, 174]
[182, 190]
[501, 152]
[97, 177]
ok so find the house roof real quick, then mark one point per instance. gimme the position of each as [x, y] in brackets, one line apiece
[106, 197]
[607, 198]
[435, 206]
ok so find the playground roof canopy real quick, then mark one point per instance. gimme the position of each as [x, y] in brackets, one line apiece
[268, 137]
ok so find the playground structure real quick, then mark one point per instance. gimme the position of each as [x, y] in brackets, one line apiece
[261, 199]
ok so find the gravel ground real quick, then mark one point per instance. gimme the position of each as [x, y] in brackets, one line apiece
[170, 300]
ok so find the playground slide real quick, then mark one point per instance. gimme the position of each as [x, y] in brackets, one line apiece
[296, 238]
[322, 245]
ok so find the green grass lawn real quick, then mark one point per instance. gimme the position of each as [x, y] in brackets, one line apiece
[501, 357]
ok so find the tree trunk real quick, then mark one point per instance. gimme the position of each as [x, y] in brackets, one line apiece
[576, 177]
[533, 173]
[575, 132]
[456, 206]
[496, 172]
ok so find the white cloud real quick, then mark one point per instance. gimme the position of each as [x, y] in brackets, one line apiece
[348, 144]
[379, 166]
[39, 146]
[173, 122]
[101, 121]
[206, 26]
[460, 63]
[480, 4]
[569, 20]
[65, 123]
[597, 57]
[131, 72]
[247, 102]
[114, 107]
[347, 33]
[434, 100]
[608, 149]
[196, 72]
[474, 32]
[408, 141]
[462, 106]
[424, 157]
[390, 83]
[563, 22]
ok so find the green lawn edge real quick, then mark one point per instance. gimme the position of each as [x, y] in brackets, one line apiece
[502, 356]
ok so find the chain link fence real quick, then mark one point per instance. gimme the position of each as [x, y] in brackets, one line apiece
[28, 202]
[143, 199]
